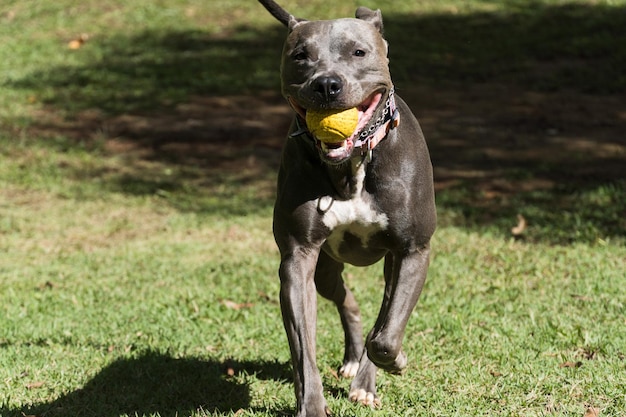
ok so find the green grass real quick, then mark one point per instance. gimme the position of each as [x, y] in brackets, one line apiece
[138, 276]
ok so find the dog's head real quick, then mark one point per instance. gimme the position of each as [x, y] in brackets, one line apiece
[337, 64]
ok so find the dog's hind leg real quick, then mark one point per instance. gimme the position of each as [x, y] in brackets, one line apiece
[330, 285]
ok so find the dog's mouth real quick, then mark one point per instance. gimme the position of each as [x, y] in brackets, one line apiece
[337, 152]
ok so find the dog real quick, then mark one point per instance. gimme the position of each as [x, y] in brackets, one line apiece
[355, 201]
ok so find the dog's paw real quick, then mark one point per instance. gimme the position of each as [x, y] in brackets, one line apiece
[349, 369]
[363, 397]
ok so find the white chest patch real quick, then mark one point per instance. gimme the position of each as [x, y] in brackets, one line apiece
[355, 216]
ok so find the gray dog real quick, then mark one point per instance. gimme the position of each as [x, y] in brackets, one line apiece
[366, 197]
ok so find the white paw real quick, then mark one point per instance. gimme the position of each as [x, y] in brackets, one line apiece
[364, 397]
[348, 370]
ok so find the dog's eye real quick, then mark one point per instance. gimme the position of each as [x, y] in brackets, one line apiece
[359, 53]
[300, 56]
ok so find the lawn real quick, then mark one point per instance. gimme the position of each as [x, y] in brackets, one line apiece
[139, 144]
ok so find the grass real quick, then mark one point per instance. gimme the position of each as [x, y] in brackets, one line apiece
[137, 266]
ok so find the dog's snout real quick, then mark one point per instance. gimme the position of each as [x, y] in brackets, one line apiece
[328, 87]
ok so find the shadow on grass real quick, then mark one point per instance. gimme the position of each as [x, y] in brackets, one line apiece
[159, 68]
[159, 384]
[529, 44]
[521, 108]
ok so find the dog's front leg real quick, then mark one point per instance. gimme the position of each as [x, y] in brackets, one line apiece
[404, 276]
[298, 301]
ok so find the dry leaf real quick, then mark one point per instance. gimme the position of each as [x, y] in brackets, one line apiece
[74, 44]
[48, 285]
[592, 412]
[521, 226]
[334, 373]
[570, 364]
[495, 374]
[34, 385]
[587, 353]
[78, 42]
[236, 306]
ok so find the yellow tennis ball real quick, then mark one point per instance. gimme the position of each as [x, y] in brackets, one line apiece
[332, 126]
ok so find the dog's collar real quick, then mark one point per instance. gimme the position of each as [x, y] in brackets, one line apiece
[372, 134]
[376, 131]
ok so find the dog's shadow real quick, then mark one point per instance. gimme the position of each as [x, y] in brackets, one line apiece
[157, 384]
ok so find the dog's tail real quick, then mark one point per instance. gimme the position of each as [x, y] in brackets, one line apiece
[282, 15]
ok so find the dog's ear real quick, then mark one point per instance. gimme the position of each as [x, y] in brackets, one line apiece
[294, 22]
[375, 17]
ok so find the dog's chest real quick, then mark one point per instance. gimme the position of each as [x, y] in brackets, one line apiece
[351, 222]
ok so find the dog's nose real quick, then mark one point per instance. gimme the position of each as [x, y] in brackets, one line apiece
[328, 86]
